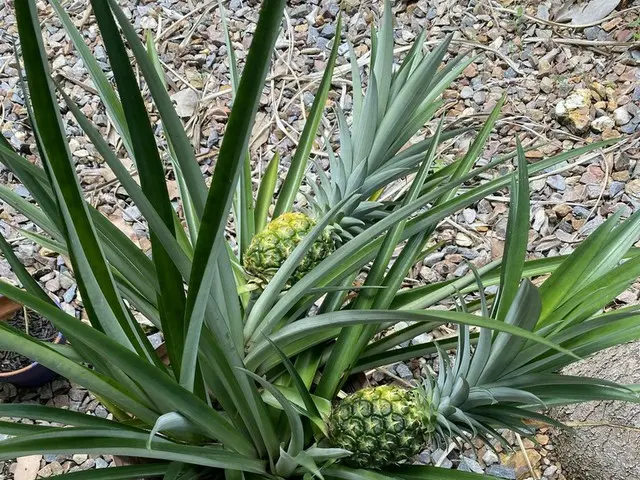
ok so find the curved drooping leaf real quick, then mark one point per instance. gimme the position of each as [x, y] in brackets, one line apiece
[126, 443]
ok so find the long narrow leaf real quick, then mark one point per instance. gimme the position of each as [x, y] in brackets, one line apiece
[295, 175]
[171, 299]
[94, 277]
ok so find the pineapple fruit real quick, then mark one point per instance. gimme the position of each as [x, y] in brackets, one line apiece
[381, 425]
[271, 247]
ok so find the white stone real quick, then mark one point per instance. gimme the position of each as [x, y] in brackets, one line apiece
[80, 458]
[561, 109]
[186, 102]
[580, 98]
[621, 116]
[601, 124]
[490, 458]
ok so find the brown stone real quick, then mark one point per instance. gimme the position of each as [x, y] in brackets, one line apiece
[534, 154]
[611, 24]
[542, 439]
[471, 71]
[621, 176]
[633, 188]
[518, 460]
[562, 210]
[610, 133]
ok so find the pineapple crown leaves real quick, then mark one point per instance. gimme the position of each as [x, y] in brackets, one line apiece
[384, 119]
[477, 393]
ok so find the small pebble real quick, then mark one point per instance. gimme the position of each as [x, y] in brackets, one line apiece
[403, 371]
[501, 471]
[466, 92]
[490, 457]
[557, 182]
[469, 465]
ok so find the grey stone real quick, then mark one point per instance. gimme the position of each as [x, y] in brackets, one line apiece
[8, 391]
[322, 43]
[510, 73]
[22, 191]
[100, 53]
[100, 411]
[543, 12]
[45, 392]
[60, 384]
[77, 394]
[70, 294]
[501, 471]
[425, 457]
[462, 269]
[300, 11]
[403, 371]
[615, 188]
[328, 31]
[500, 227]
[591, 225]
[333, 9]
[466, 92]
[88, 464]
[61, 401]
[556, 182]
[546, 85]
[213, 139]
[101, 463]
[601, 124]
[80, 458]
[468, 253]
[132, 214]
[156, 339]
[621, 116]
[490, 457]
[433, 258]
[480, 97]
[308, 98]
[469, 465]
[596, 33]
[66, 281]
[422, 338]
[581, 212]
[469, 215]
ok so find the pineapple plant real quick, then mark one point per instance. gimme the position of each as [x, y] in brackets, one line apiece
[253, 385]
[370, 154]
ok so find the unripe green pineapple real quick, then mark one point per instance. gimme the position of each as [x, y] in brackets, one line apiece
[381, 425]
[272, 246]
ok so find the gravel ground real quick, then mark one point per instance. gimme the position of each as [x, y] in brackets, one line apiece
[566, 86]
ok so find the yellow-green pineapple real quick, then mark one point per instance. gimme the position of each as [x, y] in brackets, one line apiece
[271, 247]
